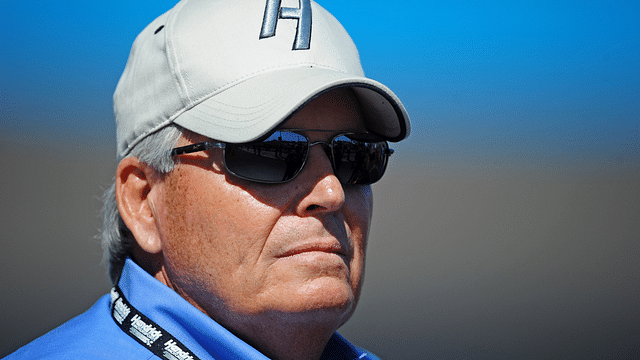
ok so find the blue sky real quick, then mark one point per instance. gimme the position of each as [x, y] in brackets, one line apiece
[494, 77]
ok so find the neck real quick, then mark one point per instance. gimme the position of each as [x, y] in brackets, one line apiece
[287, 336]
[277, 335]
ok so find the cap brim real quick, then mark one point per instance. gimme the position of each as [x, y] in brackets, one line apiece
[250, 108]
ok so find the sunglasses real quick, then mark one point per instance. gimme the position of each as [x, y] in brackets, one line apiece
[357, 159]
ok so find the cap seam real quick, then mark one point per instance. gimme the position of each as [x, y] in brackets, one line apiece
[173, 57]
[264, 115]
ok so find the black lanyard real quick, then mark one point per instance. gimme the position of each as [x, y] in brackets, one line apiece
[145, 331]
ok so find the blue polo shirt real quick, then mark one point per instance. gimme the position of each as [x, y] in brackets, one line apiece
[95, 334]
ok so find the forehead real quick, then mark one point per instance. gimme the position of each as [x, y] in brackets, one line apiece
[335, 110]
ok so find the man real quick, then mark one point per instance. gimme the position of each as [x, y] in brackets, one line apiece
[248, 138]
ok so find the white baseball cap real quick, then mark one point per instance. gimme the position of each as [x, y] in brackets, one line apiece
[233, 70]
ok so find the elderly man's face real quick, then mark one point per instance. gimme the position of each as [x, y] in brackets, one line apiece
[245, 252]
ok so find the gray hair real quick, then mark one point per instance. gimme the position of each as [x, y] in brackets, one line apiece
[116, 239]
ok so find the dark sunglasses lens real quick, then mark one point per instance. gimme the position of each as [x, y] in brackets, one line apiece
[359, 162]
[277, 159]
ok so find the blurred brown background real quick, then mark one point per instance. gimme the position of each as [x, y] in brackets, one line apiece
[469, 258]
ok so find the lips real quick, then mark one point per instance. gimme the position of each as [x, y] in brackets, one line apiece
[331, 247]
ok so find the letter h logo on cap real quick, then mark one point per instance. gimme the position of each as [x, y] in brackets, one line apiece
[273, 11]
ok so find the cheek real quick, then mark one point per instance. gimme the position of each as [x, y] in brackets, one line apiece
[213, 233]
[358, 212]
[358, 209]
[212, 220]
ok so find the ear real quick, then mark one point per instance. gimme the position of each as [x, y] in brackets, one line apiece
[135, 192]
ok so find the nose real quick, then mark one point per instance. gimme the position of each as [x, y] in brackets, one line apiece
[324, 191]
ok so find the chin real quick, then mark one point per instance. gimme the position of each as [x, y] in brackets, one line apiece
[326, 297]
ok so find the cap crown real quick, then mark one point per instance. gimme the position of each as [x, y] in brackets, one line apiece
[229, 69]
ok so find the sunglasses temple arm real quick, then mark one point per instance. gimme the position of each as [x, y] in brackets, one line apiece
[196, 147]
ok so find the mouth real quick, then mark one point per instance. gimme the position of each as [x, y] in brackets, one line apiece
[331, 247]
